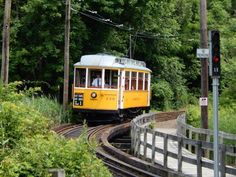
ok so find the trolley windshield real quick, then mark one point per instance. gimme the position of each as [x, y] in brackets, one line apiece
[96, 78]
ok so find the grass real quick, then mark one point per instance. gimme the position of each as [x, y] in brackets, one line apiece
[227, 117]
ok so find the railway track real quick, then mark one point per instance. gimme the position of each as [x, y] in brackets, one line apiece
[114, 149]
[116, 165]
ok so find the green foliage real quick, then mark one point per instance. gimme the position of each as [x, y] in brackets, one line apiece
[193, 115]
[46, 106]
[165, 34]
[9, 92]
[163, 93]
[34, 156]
[218, 10]
[229, 82]
[227, 116]
[22, 116]
[38, 40]
[18, 121]
[152, 125]
[28, 148]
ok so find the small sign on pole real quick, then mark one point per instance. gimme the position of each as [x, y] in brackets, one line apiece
[202, 53]
[203, 101]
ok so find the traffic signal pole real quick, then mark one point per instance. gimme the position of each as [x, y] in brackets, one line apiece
[215, 86]
[215, 73]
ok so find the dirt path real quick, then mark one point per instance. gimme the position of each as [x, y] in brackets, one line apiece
[166, 124]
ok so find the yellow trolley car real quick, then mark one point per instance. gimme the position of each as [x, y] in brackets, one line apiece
[106, 84]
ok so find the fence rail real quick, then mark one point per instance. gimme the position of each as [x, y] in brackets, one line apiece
[188, 131]
[140, 132]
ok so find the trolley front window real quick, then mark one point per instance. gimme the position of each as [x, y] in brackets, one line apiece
[95, 78]
[80, 74]
[111, 79]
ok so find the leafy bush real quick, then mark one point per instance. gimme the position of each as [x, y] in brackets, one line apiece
[193, 115]
[166, 96]
[163, 93]
[27, 146]
[34, 156]
[48, 107]
[18, 121]
[9, 92]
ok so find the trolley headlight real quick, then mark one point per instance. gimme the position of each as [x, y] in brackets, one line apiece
[93, 94]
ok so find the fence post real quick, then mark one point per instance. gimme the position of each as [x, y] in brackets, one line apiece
[199, 158]
[139, 141]
[137, 145]
[145, 144]
[180, 143]
[135, 139]
[165, 148]
[196, 136]
[132, 135]
[208, 139]
[57, 172]
[153, 146]
[221, 139]
[190, 137]
[222, 160]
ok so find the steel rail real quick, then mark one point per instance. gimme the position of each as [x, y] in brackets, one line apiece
[116, 165]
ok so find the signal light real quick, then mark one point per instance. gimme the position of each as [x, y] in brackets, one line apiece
[215, 53]
[216, 59]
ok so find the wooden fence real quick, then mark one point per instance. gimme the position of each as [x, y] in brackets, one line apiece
[188, 131]
[139, 133]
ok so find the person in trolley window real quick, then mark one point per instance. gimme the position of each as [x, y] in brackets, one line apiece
[97, 82]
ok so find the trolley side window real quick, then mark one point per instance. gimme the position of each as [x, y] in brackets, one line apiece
[111, 79]
[133, 80]
[146, 81]
[80, 74]
[127, 78]
[140, 81]
[94, 78]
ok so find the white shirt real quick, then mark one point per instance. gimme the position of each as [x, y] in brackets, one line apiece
[97, 82]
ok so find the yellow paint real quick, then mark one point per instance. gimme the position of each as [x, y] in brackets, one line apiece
[105, 100]
[136, 98]
[135, 70]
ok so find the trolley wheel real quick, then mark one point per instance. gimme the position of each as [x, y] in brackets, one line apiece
[121, 118]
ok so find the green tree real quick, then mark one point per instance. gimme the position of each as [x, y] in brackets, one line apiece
[38, 41]
[165, 34]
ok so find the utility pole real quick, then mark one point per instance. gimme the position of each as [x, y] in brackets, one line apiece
[130, 43]
[204, 63]
[130, 46]
[66, 55]
[6, 42]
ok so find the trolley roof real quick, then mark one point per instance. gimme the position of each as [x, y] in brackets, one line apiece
[105, 60]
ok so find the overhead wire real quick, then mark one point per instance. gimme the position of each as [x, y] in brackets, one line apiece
[142, 34]
[107, 21]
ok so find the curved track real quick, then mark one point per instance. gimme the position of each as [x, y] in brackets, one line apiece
[116, 165]
[119, 162]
